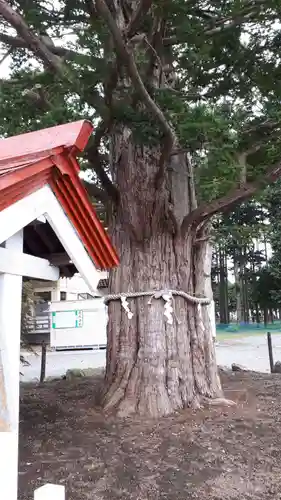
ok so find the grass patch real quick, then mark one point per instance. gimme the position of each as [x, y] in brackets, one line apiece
[226, 335]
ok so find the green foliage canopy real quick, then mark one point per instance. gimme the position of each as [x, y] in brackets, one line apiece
[220, 91]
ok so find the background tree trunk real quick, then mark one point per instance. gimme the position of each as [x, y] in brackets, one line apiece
[265, 316]
[238, 289]
[154, 368]
[223, 287]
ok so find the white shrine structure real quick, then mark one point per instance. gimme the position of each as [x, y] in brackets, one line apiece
[45, 212]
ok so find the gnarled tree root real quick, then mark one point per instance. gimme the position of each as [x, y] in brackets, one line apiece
[217, 402]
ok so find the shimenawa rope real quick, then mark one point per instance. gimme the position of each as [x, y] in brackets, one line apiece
[157, 295]
[166, 295]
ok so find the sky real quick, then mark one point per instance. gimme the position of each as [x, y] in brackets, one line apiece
[5, 66]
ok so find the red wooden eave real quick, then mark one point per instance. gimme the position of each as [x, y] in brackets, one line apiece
[48, 157]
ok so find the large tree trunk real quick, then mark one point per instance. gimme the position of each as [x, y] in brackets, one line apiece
[153, 367]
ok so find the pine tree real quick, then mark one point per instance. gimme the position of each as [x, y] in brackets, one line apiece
[235, 236]
[268, 287]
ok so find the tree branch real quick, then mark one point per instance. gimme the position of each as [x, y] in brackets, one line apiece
[242, 161]
[19, 43]
[268, 124]
[129, 63]
[38, 47]
[93, 156]
[91, 8]
[230, 22]
[8, 53]
[270, 129]
[225, 203]
[95, 192]
[141, 10]
[38, 97]
[191, 183]
[218, 25]
[47, 54]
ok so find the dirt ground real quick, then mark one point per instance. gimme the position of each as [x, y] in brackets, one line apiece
[221, 453]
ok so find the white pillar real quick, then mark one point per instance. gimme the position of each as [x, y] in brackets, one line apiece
[10, 322]
[55, 292]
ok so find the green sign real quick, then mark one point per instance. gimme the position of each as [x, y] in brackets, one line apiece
[67, 319]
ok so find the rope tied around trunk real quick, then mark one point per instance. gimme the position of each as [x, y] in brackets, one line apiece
[166, 295]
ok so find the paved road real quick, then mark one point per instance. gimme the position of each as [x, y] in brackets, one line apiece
[250, 352]
[57, 363]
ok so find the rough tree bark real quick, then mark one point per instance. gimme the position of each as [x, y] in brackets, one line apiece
[154, 368]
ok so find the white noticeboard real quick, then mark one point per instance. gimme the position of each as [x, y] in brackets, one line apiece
[67, 319]
[78, 324]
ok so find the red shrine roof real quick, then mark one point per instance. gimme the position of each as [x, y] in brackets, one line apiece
[48, 157]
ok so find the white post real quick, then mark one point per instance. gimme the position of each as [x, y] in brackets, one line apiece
[55, 293]
[10, 321]
[50, 492]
